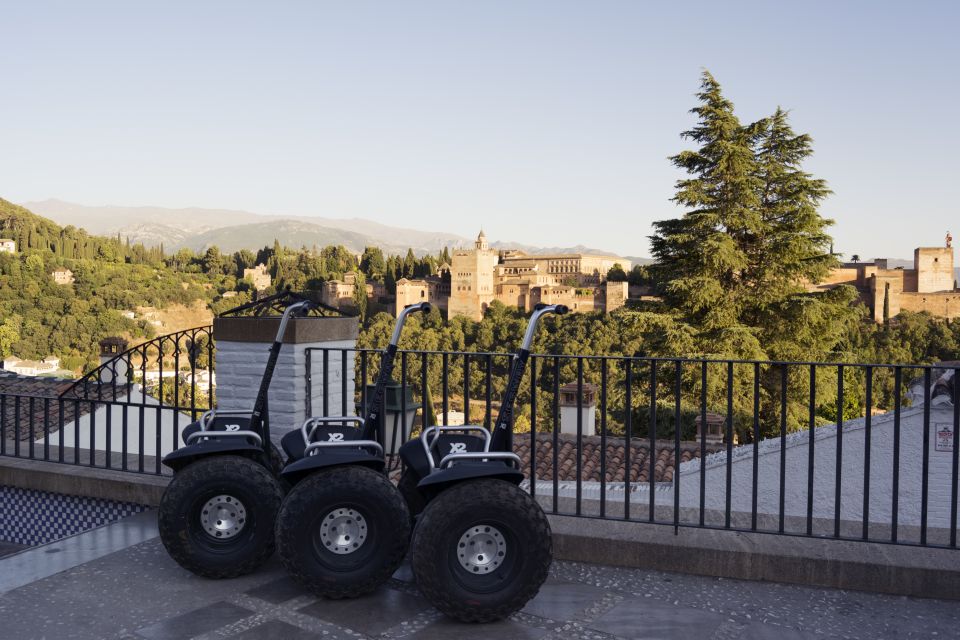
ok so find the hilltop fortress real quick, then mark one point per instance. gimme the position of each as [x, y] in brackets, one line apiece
[476, 277]
[929, 286]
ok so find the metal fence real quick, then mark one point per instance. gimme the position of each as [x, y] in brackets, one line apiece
[842, 451]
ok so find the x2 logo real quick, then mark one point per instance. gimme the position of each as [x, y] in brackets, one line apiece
[334, 437]
[232, 427]
[458, 447]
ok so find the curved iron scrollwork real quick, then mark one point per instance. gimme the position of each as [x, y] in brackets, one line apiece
[174, 370]
[276, 303]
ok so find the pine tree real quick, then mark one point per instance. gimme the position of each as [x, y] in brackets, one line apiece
[735, 266]
[702, 256]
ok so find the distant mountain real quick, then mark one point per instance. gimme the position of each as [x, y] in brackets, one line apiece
[545, 250]
[197, 228]
[107, 220]
[290, 233]
[230, 230]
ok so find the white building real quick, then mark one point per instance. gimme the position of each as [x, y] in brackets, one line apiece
[7, 245]
[32, 368]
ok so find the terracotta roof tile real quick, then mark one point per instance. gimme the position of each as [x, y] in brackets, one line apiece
[28, 400]
[615, 469]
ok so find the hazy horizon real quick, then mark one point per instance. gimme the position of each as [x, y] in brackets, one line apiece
[547, 124]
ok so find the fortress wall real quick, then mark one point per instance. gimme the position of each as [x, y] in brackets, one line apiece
[945, 304]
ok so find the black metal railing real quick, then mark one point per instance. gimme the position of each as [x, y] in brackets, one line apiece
[835, 450]
[176, 369]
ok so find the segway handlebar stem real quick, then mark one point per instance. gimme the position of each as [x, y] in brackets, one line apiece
[402, 318]
[539, 311]
[386, 370]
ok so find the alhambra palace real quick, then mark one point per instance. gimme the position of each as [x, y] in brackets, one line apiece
[476, 277]
[929, 286]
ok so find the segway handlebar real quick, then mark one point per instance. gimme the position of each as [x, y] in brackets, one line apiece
[539, 311]
[305, 306]
[413, 308]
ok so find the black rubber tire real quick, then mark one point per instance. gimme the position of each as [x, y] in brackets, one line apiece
[179, 516]
[416, 502]
[317, 568]
[481, 598]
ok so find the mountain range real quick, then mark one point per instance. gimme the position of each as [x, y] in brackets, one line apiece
[231, 230]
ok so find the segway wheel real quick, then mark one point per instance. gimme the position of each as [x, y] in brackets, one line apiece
[481, 550]
[343, 532]
[216, 516]
[411, 494]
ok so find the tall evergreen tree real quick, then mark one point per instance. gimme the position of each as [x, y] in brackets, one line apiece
[702, 256]
[736, 265]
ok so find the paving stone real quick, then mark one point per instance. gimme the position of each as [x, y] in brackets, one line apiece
[276, 630]
[278, 591]
[445, 629]
[372, 614]
[195, 622]
[643, 619]
[770, 632]
[562, 600]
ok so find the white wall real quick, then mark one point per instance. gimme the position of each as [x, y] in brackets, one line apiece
[852, 472]
[170, 423]
[240, 368]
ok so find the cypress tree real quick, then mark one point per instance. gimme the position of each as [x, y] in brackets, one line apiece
[886, 303]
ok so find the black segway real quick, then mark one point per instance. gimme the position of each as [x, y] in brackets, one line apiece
[217, 514]
[343, 528]
[482, 546]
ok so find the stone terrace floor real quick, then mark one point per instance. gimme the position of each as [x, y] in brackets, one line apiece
[136, 592]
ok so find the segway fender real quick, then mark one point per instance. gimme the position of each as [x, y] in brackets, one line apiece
[443, 478]
[183, 456]
[333, 457]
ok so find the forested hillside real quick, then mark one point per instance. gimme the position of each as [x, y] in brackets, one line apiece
[40, 318]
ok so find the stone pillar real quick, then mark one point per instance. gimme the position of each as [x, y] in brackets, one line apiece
[243, 345]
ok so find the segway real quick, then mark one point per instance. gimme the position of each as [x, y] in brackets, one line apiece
[344, 528]
[216, 516]
[482, 546]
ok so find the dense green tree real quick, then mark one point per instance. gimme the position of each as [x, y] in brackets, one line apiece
[616, 273]
[373, 264]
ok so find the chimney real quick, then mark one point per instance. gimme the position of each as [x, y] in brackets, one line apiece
[116, 372]
[588, 407]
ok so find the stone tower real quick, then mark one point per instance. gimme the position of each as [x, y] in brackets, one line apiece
[471, 279]
[934, 267]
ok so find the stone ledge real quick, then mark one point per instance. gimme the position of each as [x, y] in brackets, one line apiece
[76, 480]
[861, 566]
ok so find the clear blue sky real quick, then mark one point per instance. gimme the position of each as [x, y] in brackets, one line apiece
[546, 122]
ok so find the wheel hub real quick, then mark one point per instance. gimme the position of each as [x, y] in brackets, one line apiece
[222, 517]
[343, 531]
[481, 549]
